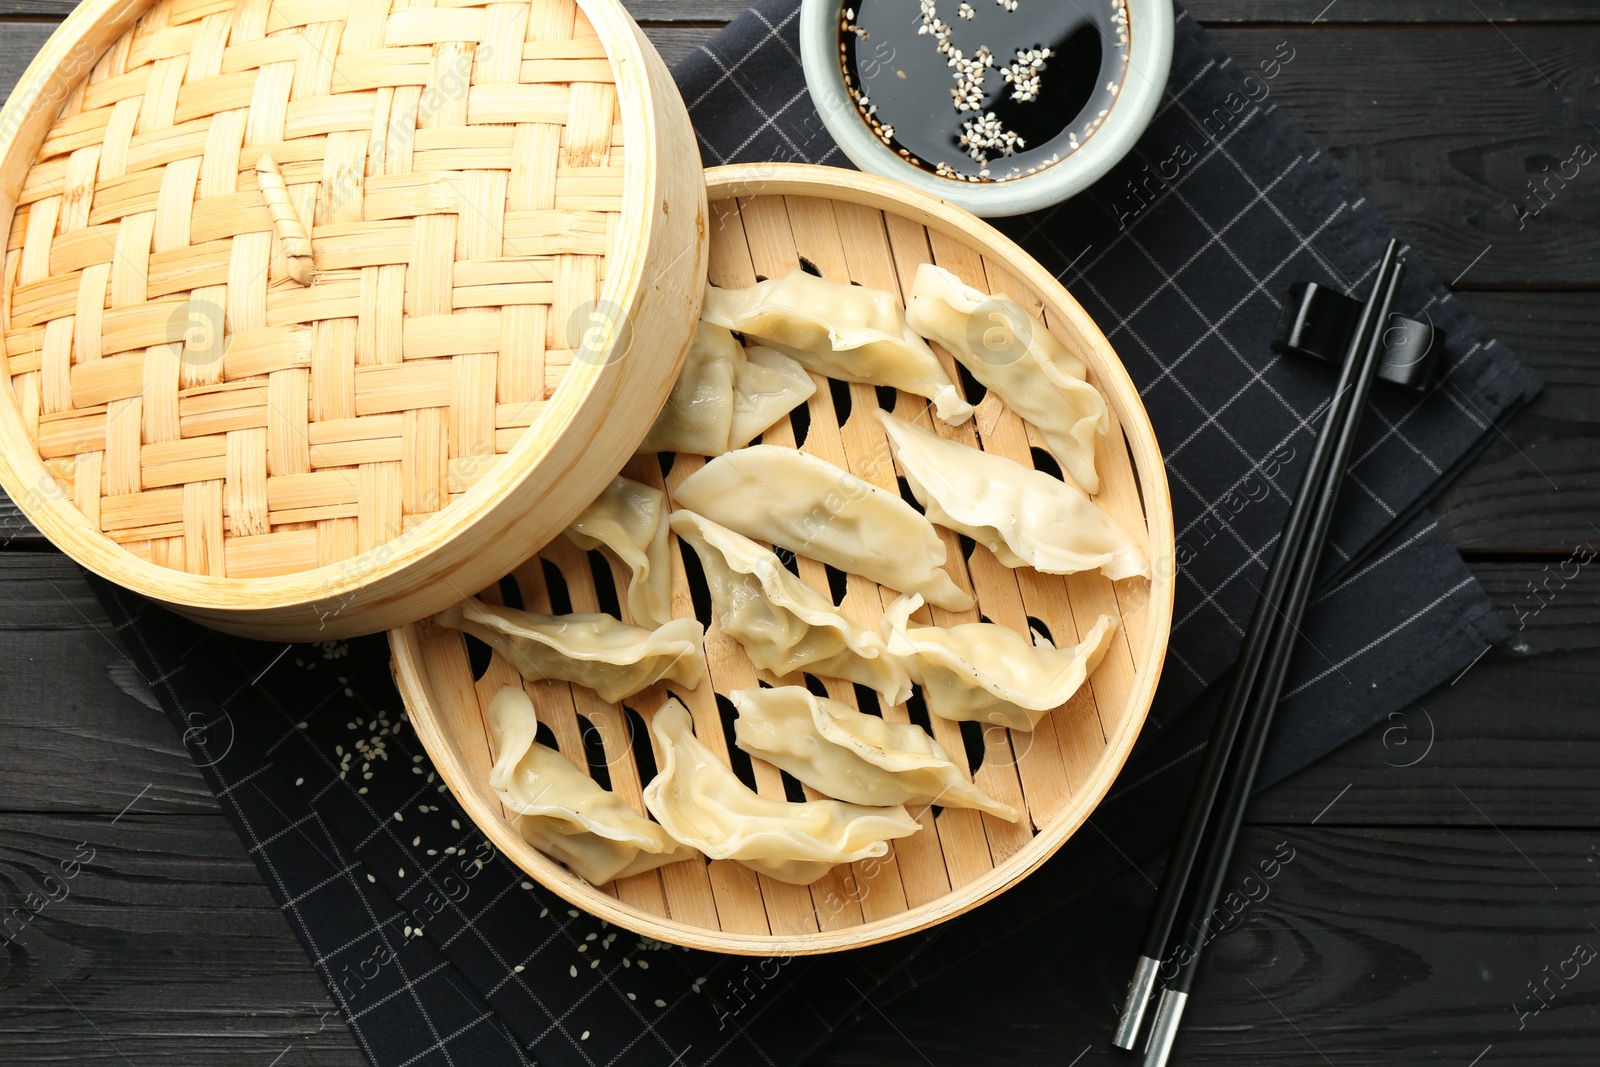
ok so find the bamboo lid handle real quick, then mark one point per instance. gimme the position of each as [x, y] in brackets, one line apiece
[291, 231]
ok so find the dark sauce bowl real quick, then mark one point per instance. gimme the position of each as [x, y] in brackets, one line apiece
[1068, 153]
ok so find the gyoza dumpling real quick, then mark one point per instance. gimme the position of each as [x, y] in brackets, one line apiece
[851, 755]
[783, 623]
[1034, 375]
[1023, 516]
[725, 396]
[813, 508]
[702, 803]
[607, 655]
[562, 811]
[766, 387]
[629, 518]
[842, 331]
[699, 411]
[983, 672]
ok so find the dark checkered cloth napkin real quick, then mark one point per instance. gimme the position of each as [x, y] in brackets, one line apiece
[438, 951]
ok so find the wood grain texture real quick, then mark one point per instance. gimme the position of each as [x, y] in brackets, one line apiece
[167, 944]
[1536, 487]
[1451, 178]
[67, 686]
[1372, 947]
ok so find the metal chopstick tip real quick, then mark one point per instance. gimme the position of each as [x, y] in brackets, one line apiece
[1134, 1006]
[1164, 1031]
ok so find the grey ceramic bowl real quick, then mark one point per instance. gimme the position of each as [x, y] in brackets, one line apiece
[1150, 32]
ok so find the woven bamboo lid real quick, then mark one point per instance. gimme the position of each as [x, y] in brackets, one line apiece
[319, 312]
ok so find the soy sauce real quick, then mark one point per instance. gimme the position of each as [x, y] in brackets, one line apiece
[1068, 59]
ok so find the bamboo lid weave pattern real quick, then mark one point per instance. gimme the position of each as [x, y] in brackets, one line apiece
[290, 276]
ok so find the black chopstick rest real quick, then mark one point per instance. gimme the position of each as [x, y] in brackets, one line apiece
[1316, 322]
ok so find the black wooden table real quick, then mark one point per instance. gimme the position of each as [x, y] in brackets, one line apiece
[1447, 864]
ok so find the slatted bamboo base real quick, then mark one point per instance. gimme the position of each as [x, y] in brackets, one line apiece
[766, 221]
[299, 295]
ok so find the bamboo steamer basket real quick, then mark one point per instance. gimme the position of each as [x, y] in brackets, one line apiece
[766, 220]
[317, 313]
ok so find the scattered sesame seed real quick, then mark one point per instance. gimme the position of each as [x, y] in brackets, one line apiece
[584, 1036]
[644, 965]
[527, 885]
[573, 970]
[455, 824]
[518, 969]
[299, 781]
[660, 1003]
[371, 878]
[631, 996]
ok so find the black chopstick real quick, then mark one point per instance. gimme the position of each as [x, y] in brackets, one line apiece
[1257, 722]
[1264, 623]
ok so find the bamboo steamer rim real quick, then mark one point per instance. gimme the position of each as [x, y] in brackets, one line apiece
[433, 725]
[644, 92]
